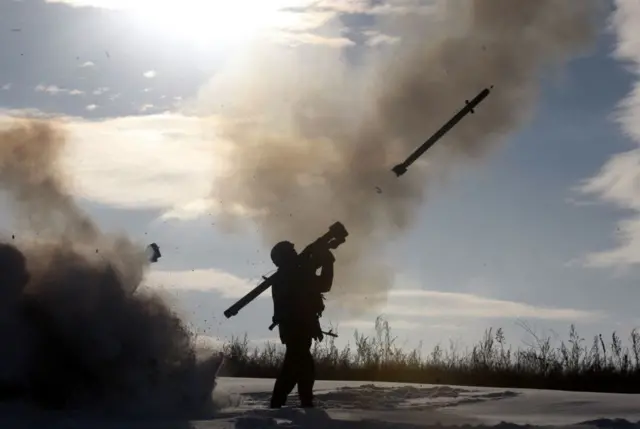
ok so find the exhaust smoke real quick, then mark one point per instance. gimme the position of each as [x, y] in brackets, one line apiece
[310, 140]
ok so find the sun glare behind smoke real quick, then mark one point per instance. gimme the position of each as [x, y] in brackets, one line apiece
[208, 22]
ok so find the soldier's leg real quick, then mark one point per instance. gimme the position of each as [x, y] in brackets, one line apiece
[307, 376]
[286, 380]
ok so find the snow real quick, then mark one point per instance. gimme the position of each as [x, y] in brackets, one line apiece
[242, 404]
[359, 405]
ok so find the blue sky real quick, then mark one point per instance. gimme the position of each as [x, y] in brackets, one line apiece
[510, 237]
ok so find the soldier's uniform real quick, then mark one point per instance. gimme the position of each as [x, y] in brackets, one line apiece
[298, 304]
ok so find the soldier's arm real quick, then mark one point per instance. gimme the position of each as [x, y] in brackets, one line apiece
[325, 280]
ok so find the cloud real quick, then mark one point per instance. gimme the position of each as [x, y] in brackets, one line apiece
[7, 115]
[150, 74]
[297, 39]
[398, 324]
[290, 22]
[201, 207]
[6, 87]
[87, 64]
[91, 107]
[389, 7]
[429, 303]
[226, 284]
[55, 90]
[100, 91]
[375, 38]
[618, 181]
[146, 107]
[161, 161]
[154, 161]
[50, 89]
[105, 4]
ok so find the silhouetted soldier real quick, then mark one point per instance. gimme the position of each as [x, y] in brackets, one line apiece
[298, 304]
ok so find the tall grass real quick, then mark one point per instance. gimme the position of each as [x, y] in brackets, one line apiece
[575, 364]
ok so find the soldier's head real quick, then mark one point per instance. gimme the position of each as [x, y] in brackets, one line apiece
[283, 253]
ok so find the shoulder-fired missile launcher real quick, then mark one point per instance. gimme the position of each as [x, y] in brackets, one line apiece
[333, 238]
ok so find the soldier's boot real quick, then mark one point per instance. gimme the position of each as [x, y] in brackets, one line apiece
[305, 390]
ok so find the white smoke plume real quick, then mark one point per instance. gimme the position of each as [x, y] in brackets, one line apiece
[311, 140]
[76, 332]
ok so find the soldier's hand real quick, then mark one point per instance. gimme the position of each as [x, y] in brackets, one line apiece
[328, 258]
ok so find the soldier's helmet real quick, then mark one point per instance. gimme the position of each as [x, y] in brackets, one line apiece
[283, 253]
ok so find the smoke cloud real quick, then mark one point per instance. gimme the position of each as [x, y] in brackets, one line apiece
[76, 331]
[309, 138]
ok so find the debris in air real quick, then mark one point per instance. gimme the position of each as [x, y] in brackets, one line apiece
[153, 250]
[401, 168]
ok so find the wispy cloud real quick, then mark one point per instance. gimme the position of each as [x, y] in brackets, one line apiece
[49, 89]
[201, 207]
[398, 324]
[154, 161]
[150, 74]
[146, 107]
[91, 107]
[6, 87]
[375, 38]
[226, 284]
[161, 161]
[55, 90]
[618, 181]
[429, 303]
[297, 39]
[297, 22]
[87, 64]
[101, 90]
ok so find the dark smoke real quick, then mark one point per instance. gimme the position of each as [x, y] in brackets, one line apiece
[308, 139]
[76, 331]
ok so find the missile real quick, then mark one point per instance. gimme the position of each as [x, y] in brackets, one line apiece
[469, 107]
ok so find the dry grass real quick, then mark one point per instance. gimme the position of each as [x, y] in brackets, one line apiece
[599, 365]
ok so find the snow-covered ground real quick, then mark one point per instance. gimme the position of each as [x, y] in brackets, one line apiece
[360, 405]
[363, 405]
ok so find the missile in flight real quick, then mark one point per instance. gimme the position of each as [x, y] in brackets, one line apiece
[469, 107]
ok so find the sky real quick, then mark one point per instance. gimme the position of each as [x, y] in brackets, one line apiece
[540, 231]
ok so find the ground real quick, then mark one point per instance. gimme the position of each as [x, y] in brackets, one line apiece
[365, 405]
[359, 405]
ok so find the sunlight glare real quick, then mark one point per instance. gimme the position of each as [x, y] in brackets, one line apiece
[208, 22]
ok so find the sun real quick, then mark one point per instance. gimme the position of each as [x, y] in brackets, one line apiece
[208, 22]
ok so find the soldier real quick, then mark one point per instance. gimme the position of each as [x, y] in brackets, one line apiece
[298, 304]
